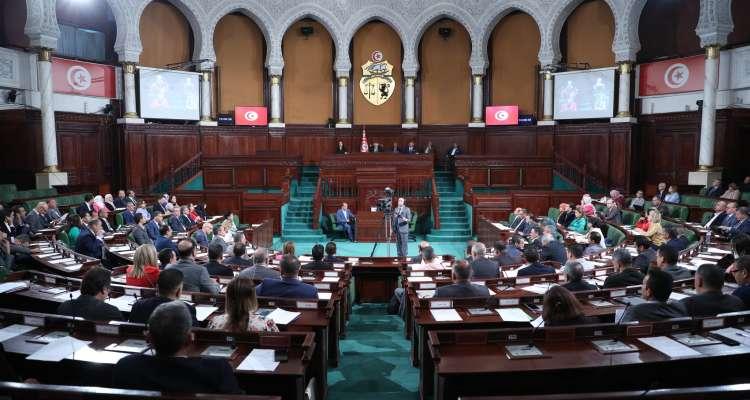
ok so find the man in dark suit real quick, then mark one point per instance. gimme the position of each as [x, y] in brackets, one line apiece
[661, 191]
[90, 241]
[239, 256]
[742, 225]
[646, 254]
[658, 204]
[454, 151]
[169, 332]
[731, 218]
[710, 300]
[376, 148]
[260, 269]
[411, 148]
[481, 267]
[625, 273]
[104, 217]
[675, 241]
[87, 207]
[345, 219]
[656, 288]
[131, 198]
[153, 226]
[289, 286]
[715, 190]
[613, 213]
[462, 286]
[719, 214]
[501, 255]
[185, 217]
[400, 221]
[175, 223]
[204, 235]
[552, 250]
[517, 217]
[195, 277]
[418, 258]
[331, 254]
[214, 265]
[139, 232]
[164, 241]
[395, 149]
[36, 219]
[574, 273]
[317, 262]
[120, 200]
[128, 216]
[666, 260]
[168, 288]
[90, 304]
[161, 206]
[533, 267]
[566, 215]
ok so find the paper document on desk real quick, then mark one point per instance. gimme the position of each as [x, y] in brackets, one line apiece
[420, 279]
[670, 348]
[425, 294]
[717, 250]
[539, 288]
[738, 335]
[123, 303]
[202, 312]
[510, 273]
[513, 315]
[324, 295]
[259, 360]
[9, 287]
[282, 317]
[59, 349]
[9, 332]
[68, 295]
[330, 279]
[445, 315]
[676, 296]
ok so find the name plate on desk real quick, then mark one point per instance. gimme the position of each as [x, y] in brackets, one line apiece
[331, 273]
[617, 293]
[49, 279]
[414, 273]
[132, 292]
[307, 305]
[441, 304]
[186, 297]
[600, 272]
[523, 281]
[338, 266]
[108, 330]
[509, 302]
[33, 321]
[426, 285]
[323, 286]
[713, 323]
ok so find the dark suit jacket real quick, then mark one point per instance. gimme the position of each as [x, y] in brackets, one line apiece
[643, 261]
[83, 209]
[716, 221]
[215, 268]
[334, 259]
[317, 265]
[160, 208]
[177, 225]
[200, 238]
[579, 286]
[714, 191]
[36, 221]
[565, 218]
[91, 308]
[653, 311]
[107, 226]
[413, 150]
[462, 289]
[162, 243]
[186, 221]
[144, 306]
[260, 272]
[711, 303]
[457, 153]
[484, 268]
[505, 259]
[743, 227]
[152, 229]
[286, 287]
[554, 251]
[242, 262]
[140, 236]
[120, 202]
[628, 277]
[536, 269]
[88, 244]
[678, 244]
[613, 216]
[175, 374]
[662, 194]
[128, 217]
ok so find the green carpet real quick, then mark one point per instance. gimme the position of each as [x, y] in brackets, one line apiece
[375, 360]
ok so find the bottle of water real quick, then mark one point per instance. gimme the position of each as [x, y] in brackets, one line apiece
[708, 238]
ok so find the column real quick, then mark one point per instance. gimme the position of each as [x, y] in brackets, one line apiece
[343, 98]
[623, 96]
[409, 122]
[276, 102]
[548, 98]
[50, 174]
[206, 99]
[128, 81]
[708, 117]
[477, 103]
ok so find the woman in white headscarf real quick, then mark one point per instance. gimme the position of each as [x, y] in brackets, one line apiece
[99, 203]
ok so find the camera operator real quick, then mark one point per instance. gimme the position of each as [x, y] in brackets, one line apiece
[401, 218]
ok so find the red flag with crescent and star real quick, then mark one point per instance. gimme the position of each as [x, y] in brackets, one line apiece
[678, 75]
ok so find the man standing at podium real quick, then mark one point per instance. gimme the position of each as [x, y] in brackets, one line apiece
[345, 219]
[401, 218]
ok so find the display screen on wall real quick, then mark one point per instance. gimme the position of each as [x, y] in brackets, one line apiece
[584, 94]
[165, 94]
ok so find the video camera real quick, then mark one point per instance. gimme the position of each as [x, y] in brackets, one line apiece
[385, 204]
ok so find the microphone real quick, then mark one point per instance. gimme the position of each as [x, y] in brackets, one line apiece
[627, 305]
[533, 331]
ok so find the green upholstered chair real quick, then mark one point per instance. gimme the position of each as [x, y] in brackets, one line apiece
[706, 217]
[615, 236]
[336, 230]
[119, 220]
[553, 213]
[63, 237]
[413, 225]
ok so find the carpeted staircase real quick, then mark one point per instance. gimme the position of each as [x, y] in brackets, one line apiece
[454, 223]
[298, 219]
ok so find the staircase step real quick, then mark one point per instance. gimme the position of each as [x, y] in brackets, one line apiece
[452, 239]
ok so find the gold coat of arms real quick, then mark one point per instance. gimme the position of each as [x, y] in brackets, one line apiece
[377, 83]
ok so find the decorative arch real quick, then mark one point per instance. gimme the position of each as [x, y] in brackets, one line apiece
[322, 16]
[252, 10]
[190, 9]
[373, 13]
[431, 15]
[499, 11]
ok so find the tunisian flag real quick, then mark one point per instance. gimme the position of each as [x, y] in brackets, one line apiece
[678, 75]
[501, 115]
[257, 116]
[83, 78]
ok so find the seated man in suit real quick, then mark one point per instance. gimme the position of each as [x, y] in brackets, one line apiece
[502, 255]
[730, 218]
[376, 148]
[128, 216]
[710, 300]
[613, 213]
[574, 252]
[87, 207]
[168, 288]
[741, 224]
[395, 148]
[515, 248]
[345, 219]
[239, 256]
[53, 213]
[204, 235]
[195, 277]
[674, 240]
[552, 250]
[169, 333]
[411, 148]
[36, 219]
[566, 215]
[90, 304]
[221, 232]
[740, 271]
[666, 260]
[289, 286]
[185, 217]
[153, 226]
[646, 254]
[167, 257]
[120, 201]
[482, 267]
[260, 269]
[656, 288]
[176, 223]
[161, 205]
[657, 203]
[331, 254]
[131, 198]
[594, 248]
[574, 273]
[533, 267]
[625, 273]
[418, 258]
[718, 216]
[317, 262]
[139, 232]
[214, 265]
[462, 286]
[715, 190]
[164, 241]
[104, 217]
[90, 240]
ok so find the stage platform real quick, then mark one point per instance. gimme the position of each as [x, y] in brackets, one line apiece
[346, 248]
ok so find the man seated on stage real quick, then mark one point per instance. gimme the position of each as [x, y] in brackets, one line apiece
[482, 268]
[345, 219]
[418, 258]
[710, 301]
[340, 149]
[462, 286]
[411, 148]
[376, 148]
[395, 148]
[656, 288]
[169, 333]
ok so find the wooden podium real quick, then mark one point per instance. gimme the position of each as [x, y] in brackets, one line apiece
[370, 226]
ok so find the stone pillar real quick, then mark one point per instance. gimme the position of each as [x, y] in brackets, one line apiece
[410, 122]
[50, 174]
[548, 99]
[623, 97]
[206, 96]
[128, 83]
[276, 102]
[477, 102]
[706, 172]
[343, 98]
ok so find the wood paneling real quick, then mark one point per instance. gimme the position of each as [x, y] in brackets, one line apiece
[589, 31]
[165, 35]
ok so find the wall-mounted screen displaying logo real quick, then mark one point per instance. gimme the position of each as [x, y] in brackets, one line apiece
[255, 116]
[83, 78]
[678, 75]
[501, 115]
[377, 83]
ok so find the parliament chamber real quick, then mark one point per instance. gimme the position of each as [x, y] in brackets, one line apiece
[382, 199]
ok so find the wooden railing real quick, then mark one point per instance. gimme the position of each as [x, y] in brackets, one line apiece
[575, 175]
[178, 176]
[317, 204]
[435, 205]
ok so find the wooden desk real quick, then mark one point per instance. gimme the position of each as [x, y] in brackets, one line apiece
[376, 278]
[370, 227]
[260, 235]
